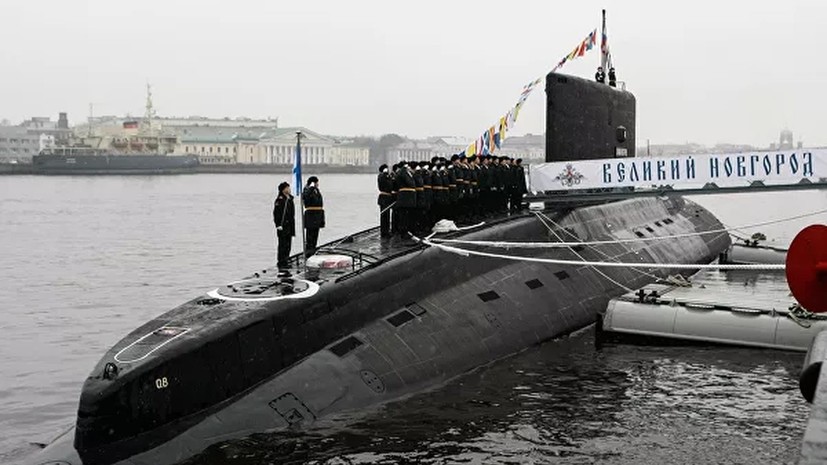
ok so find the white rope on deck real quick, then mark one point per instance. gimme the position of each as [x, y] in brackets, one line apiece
[554, 261]
[553, 245]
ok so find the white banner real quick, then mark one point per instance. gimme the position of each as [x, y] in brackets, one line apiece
[685, 170]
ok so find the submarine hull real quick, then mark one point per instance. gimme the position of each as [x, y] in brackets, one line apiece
[398, 326]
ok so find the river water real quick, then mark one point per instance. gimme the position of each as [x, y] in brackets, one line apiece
[87, 259]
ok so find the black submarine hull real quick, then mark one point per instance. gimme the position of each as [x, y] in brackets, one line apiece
[409, 321]
[268, 353]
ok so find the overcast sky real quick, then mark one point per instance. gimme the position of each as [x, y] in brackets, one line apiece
[704, 71]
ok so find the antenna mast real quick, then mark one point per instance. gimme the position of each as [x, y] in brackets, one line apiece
[150, 112]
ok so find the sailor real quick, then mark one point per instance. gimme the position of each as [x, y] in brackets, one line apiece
[439, 190]
[510, 183]
[385, 184]
[474, 186]
[484, 180]
[521, 189]
[313, 214]
[406, 197]
[427, 184]
[416, 221]
[612, 77]
[284, 217]
[394, 194]
[453, 188]
[600, 75]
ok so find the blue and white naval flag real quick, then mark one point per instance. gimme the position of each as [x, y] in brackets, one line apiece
[297, 171]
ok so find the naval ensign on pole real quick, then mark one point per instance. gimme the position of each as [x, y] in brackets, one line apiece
[298, 185]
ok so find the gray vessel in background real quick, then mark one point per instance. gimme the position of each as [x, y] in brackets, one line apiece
[271, 352]
[137, 147]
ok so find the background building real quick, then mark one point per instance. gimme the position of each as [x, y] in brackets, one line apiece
[18, 144]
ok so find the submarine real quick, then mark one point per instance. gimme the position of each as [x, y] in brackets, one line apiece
[381, 320]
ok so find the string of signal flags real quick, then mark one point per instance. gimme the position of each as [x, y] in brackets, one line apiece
[490, 140]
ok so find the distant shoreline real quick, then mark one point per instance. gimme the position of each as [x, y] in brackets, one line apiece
[28, 169]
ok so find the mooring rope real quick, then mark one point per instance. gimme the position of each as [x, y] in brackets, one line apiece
[552, 245]
[541, 217]
[555, 261]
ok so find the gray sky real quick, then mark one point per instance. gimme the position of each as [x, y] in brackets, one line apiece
[705, 71]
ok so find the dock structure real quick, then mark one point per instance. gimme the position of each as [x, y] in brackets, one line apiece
[710, 313]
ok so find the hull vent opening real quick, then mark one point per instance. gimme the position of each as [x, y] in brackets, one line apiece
[534, 284]
[561, 275]
[401, 318]
[343, 348]
[488, 296]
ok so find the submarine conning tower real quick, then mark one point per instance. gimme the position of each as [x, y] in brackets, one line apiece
[587, 120]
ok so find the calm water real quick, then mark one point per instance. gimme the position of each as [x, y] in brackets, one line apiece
[87, 259]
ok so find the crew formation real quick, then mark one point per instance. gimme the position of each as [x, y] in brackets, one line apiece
[413, 196]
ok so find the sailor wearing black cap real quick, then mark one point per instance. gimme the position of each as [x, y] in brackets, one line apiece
[284, 217]
[406, 197]
[416, 222]
[454, 178]
[395, 195]
[521, 188]
[428, 196]
[313, 213]
[385, 184]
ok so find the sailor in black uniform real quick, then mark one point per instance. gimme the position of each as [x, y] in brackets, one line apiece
[284, 217]
[453, 188]
[394, 194]
[521, 189]
[416, 220]
[385, 184]
[484, 180]
[406, 197]
[612, 77]
[313, 213]
[600, 75]
[439, 191]
[428, 193]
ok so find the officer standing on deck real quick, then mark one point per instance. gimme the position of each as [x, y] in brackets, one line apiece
[521, 189]
[453, 188]
[428, 193]
[313, 213]
[385, 184]
[612, 77]
[439, 190]
[284, 217]
[395, 194]
[600, 75]
[485, 185]
[406, 198]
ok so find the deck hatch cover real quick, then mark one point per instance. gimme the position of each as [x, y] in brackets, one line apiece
[401, 318]
[488, 296]
[415, 308]
[639, 234]
[561, 275]
[648, 228]
[534, 284]
[347, 345]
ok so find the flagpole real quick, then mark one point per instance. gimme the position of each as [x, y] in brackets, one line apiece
[603, 57]
[297, 173]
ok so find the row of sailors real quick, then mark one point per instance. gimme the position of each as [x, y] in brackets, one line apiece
[415, 195]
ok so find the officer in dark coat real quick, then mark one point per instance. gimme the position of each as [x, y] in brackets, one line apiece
[427, 184]
[521, 189]
[440, 191]
[453, 188]
[405, 198]
[600, 75]
[612, 77]
[395, 194]
[313, 213]
[485, 185]
[284, 217]
[416, 221]
[385, 184]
